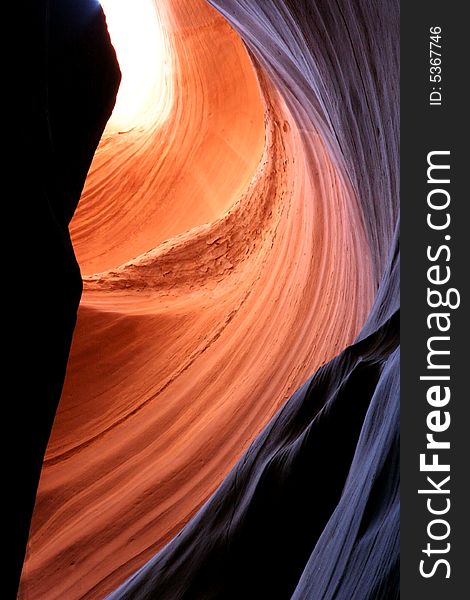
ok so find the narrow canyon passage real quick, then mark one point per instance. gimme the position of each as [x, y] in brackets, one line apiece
[225, 257]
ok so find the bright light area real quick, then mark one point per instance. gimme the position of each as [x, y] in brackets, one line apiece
[138, 37]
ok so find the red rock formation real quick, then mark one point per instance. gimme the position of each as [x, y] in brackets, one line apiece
[223, 264]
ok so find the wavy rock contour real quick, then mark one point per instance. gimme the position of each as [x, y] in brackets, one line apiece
[243, 237]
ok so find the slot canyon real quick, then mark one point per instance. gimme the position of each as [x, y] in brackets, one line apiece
[228, 422]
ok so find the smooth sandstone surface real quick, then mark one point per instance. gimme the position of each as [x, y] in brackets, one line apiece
[230, 244]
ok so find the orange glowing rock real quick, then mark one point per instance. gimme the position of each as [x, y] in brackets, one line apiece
[213, 248]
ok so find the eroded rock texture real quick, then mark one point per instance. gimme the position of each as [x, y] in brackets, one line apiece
[233, 378]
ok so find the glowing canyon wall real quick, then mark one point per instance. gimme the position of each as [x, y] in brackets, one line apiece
[232, 379]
